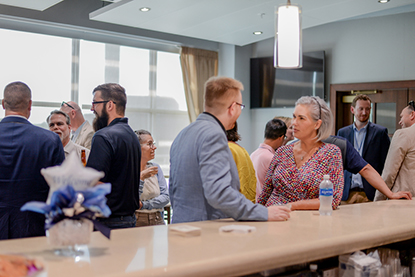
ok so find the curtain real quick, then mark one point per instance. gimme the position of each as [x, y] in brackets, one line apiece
[197, 66]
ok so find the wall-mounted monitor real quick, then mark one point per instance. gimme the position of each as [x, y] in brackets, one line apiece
[278, 88]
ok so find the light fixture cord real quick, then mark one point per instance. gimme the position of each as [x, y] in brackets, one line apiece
[288, 2]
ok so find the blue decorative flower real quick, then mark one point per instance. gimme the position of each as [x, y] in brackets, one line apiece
[66, 202]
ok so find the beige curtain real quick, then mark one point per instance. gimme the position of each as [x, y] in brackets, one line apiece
[197, 66]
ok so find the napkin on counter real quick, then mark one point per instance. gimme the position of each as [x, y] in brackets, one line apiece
[238, 229]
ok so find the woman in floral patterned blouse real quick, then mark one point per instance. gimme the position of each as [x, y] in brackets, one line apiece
[297, 169]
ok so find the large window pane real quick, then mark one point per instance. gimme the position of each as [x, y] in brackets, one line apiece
[42, 62]
[170, 89]
[165, 129]
[134, 69]
[91, 69]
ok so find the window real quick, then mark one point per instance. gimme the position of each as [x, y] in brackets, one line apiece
[42, 62]
[61, 69]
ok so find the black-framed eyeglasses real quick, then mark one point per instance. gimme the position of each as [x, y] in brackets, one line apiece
[412, 104]
[242, 105]
[64, 103]
[99, 102]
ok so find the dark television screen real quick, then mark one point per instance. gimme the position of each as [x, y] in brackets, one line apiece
[278, 88]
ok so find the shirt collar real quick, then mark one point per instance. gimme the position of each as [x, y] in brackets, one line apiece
[16, 115]
[220, 123]
[266, 146]
[361, 129]
[76, 133]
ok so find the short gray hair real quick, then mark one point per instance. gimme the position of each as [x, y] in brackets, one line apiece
[141, 132]
[319, 110]
[68, 119]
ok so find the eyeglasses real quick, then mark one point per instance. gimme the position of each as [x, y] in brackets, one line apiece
[99, 102]
[64, 103]
[151, 144]
[412, 104]
[242, 105]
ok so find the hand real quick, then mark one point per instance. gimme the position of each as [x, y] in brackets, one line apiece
[401, 194]
[148, 172]
[278, 213]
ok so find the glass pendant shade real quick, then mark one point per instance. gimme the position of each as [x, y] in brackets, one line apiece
[288, 36]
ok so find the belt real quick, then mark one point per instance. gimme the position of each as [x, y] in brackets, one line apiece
[120, 216]
[357, 189]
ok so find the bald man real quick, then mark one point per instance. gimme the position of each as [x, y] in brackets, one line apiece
[24, 150]
[82, 131]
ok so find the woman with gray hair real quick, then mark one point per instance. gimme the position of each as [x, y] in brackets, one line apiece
[154, 194]
[297, 169]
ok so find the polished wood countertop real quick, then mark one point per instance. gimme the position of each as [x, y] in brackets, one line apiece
[157, 251]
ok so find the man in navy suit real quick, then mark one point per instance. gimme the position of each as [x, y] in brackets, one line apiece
[24, 150]
[372, 142]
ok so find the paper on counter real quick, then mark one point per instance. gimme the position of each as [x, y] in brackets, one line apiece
[186, 230]
[239, 229]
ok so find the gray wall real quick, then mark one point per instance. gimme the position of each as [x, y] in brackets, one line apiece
[363, 50]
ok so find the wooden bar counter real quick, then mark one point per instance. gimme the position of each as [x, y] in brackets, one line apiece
[156, 251]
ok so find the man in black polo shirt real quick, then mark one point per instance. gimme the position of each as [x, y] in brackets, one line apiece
[116, 151]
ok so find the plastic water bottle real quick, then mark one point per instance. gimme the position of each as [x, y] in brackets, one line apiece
[326, 196]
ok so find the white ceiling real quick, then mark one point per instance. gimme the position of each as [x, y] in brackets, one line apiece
[39, 5]
[234, 21]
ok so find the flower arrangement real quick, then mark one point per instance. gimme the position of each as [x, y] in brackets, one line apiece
[73, 203]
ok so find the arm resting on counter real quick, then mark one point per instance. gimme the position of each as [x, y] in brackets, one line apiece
[374, 179]
[309, 204]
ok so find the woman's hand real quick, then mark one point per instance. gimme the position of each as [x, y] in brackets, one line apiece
[401, 195]
[148, 172]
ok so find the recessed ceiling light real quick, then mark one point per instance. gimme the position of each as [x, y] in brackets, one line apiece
[145, 9]
[383, 1]
[257, 33]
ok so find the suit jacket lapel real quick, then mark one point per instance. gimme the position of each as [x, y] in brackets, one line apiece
[368, 138]
[350, 137]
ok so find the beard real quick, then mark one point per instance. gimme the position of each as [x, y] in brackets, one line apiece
[101, 121]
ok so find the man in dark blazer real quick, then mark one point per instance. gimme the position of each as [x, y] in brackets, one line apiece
[372, 142]
[24, 150]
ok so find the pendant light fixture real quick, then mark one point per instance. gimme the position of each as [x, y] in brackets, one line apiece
[288, 51]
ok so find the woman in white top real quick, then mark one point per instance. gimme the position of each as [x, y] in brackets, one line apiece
[154, 194]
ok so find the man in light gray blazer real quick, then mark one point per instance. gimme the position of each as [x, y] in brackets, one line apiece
[399, 170]
[82, 131]
[204, 182]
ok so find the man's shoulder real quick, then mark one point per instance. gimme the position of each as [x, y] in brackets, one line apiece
[377, 127]
[87, 127]
[347, 128]
[41, 132]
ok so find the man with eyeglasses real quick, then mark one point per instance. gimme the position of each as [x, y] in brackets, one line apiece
[399, 168]
[24, 150]
[274, 137]
[116, 151]
[82, 131]
[204, 181]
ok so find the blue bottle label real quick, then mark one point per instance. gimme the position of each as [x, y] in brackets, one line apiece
[326, 192]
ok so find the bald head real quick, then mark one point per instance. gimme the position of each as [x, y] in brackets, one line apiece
[74, 112]
[17, 99]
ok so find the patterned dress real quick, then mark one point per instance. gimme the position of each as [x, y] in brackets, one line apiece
[286, 183]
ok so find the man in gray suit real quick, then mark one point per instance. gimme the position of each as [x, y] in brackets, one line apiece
[204, 182]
